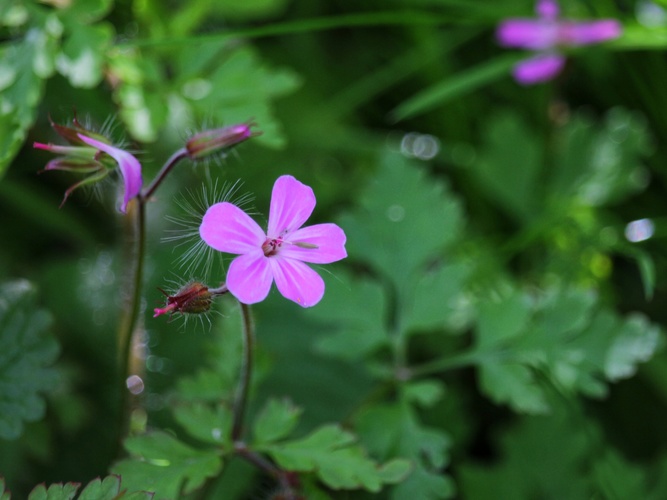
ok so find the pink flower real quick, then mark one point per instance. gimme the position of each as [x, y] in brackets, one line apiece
[84, 156]
[279, 254]
[129, 167]
[546, 35]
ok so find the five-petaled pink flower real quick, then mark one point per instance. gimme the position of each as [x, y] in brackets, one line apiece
[546, 35]
[279, 254]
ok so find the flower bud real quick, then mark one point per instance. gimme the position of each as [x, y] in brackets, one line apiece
[193, 298]
[219, 140]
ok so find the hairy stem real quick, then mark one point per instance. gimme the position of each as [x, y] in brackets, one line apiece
[241, 398]
[166, 168]
[130, 313]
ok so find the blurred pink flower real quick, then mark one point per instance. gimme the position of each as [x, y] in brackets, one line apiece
[546, 35]
[279, 254]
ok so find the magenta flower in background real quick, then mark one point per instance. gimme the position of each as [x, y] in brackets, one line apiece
[279, 254]
[546, 35]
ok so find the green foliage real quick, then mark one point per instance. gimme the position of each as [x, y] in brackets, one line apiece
[276, 421]
[560, 335]
[108, 488]
[395, 430]
[27, 353]
[478, 342]
[162, 464]
[46, 40]
[330, 452]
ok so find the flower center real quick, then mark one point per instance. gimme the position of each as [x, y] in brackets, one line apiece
[271, 246]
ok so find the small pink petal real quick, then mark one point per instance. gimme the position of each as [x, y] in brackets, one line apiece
[291, 204]
[227, 228]
[538, 69]
[129, 166]
[249, 277]
[547, 9]
[585, 33]
[532, 34]
[328, 240]
[297, 282]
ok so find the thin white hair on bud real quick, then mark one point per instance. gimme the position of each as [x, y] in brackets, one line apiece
[196, 254]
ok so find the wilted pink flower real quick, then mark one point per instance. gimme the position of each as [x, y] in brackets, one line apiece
[88, 153]
[129, 167]
[279, 254]
[546, 35]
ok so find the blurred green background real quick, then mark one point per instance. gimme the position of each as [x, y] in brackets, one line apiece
[499, 320]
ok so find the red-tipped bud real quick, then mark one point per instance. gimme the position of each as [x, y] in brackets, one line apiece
[193, 298]
[219, 140]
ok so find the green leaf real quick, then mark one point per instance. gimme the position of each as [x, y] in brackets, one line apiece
[395, 431]
[539, 457]
[250, 87]
[165, 466]
[140, 93]
[54, 492]
[514, 384]
[567, 337]
[502, 318]
[600, 163]
[208, 424]
[425, 393]
[635, 343]
[512, 180]
[87, 11]
[330, 453]
[4, 494]
[404, 219]
[353, 310]
[108, 488]
[456, 86]
[438, 300]
[277, 420]
[82, 58]
[618, 477]
[25, 64]
[27, 352]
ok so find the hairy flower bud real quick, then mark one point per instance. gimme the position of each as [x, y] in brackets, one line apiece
[219, 140]
[193, 298]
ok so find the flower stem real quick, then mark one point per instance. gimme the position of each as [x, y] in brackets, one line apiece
[166, 168]
[461, 360]
[130, 315]
[246, 372]
[269, 468]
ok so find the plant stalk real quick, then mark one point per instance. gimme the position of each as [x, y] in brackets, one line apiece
[240, 401]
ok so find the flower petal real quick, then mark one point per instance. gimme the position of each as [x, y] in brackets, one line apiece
[585, 33]
[322, 244]
[296, 281]
[532, 34]
[249, 277]
[291, 204]
[538, 69]
[227, 228]
[547, 9]
[129, 166]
